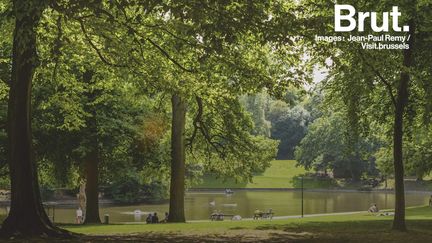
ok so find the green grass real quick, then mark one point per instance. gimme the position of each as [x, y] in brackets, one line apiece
[281, 174]
[360, 227]
[413, 214]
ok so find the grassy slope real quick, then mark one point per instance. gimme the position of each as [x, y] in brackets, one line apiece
[361, 227]
[281, 174]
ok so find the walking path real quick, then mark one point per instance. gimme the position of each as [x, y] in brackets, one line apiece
[290, 216]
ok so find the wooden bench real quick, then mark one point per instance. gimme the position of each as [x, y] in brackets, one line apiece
[263, 215]
[220, 217]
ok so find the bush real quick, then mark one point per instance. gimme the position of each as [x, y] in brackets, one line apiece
[156, 191]
[130, 190]
[125, 190]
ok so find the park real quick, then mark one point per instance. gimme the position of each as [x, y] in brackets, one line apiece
[215, 121]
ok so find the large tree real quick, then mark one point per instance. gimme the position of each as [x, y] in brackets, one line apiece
[27, 216]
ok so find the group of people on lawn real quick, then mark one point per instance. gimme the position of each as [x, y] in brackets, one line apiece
[152, 218]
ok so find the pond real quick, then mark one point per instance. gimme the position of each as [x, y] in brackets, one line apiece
[199, 205]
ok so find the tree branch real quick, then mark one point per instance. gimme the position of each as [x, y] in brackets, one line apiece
[380, 77]
[98, 52]
[196, 122]
[200, 126]
[153, 43]
[56, 48]
[168, 56]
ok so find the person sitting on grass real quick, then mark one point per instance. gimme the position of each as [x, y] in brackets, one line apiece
[149, 219]
[220, 216]
[165, 220]
[373, 209]
[213, 215]
[155, 219]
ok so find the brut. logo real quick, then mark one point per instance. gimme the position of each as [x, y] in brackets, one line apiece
[351, 22]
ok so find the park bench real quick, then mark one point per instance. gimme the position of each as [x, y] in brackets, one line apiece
[263, 215]
[220, 216]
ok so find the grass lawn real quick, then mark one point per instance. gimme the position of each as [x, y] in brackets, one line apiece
[281, 174]
[360, 227]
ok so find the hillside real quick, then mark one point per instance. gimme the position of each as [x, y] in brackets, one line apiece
[281, 174]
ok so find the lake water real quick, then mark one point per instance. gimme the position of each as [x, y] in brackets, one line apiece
[199, 205]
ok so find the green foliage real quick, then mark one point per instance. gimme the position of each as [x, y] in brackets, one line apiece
[284, 119]
[417, 154]
[289, 126]
[326, 146]
[384, 160]
[129, 188]
[173, 50]
[232, 151]
[366, 84]
[256, 105]
[6, 25]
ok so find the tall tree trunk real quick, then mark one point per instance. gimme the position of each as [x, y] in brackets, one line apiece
[91, 161]
[177, 186]
[401, 102]
[92, 188]
[399, 218]
[27, 216]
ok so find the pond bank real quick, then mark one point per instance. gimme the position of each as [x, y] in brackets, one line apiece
[305, 189]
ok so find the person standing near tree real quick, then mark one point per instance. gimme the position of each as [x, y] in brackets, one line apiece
[81, 196]
[79, 216]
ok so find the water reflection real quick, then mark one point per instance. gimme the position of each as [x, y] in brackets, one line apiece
[199, 205]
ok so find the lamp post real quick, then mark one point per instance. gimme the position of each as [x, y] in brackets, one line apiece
[302, 188]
